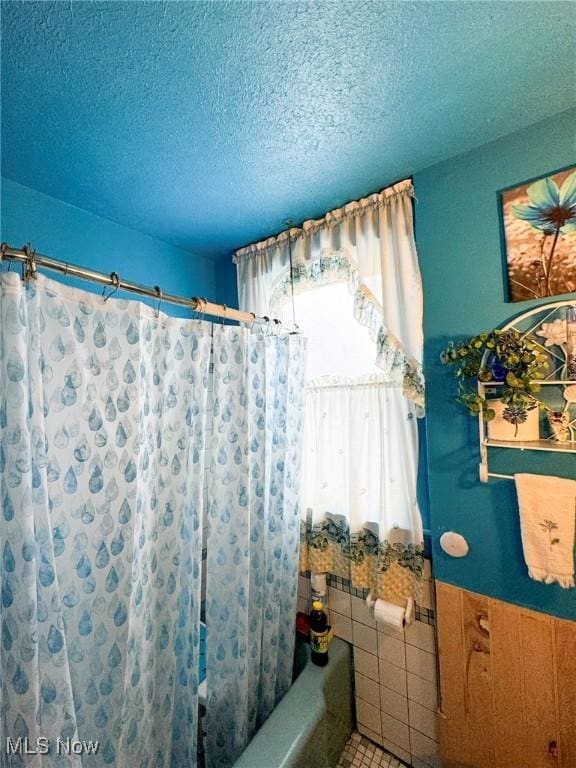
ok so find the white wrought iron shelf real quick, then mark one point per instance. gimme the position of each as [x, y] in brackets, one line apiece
[565, 382]
[532, 445]
[528, 324]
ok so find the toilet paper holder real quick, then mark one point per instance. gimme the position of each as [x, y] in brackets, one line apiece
[407, 610]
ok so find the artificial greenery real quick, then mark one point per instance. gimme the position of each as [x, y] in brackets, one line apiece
[521, 360]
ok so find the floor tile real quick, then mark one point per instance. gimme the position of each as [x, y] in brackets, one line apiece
[360, 752]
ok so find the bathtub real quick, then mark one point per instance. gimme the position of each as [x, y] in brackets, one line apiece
[312, 723]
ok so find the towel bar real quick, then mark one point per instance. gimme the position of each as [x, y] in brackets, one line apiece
[485, 475]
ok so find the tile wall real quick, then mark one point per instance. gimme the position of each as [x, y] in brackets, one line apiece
[395, 672]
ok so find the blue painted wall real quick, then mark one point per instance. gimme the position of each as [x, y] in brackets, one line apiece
[458, 237]
[226, 281]
[72, 234]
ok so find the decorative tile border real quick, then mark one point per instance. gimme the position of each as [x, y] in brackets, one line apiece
[425, 615]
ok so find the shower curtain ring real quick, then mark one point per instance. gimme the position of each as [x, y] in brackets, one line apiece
[157, 308]
[224, 309]
[114, 279]
[30, 271]
[202, 311]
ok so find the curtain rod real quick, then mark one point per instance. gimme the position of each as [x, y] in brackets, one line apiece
[32, 260]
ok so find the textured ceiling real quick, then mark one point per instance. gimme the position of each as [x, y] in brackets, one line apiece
[207, 124]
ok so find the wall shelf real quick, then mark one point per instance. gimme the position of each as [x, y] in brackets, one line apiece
[532, 324]
[562, 382]
[533, 445]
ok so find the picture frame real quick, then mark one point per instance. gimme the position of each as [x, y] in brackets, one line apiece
[538, 233]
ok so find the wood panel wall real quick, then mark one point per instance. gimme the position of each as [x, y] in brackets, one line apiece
[508, 684]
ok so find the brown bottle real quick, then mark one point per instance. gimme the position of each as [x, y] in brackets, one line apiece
[319, 634]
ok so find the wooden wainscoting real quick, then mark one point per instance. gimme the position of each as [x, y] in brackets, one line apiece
[508, 684]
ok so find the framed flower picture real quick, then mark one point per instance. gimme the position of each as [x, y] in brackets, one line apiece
[539, 235]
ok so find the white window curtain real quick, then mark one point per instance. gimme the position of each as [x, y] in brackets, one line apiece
[353, 282]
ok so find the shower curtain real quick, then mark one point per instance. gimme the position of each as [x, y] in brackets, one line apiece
[102, 418]
[105, 420]
[252, 574]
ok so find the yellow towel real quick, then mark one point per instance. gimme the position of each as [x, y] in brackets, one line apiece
[547, 514]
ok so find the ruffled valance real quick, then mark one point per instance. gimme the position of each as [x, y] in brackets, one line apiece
[398, 367]
[369, 244]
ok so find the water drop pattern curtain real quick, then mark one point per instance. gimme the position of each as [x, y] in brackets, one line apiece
[102, 418]
[254, 520]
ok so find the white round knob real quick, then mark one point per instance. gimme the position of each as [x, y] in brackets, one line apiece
[454, 544]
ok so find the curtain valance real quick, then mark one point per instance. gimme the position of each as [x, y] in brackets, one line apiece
[310, 227]
[370, 245]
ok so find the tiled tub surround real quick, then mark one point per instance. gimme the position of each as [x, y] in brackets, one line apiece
[395, 671]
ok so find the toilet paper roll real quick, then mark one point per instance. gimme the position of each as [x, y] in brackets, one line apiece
[318, 583]
[394, 615]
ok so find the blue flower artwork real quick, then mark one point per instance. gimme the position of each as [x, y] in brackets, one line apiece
[539, 224]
